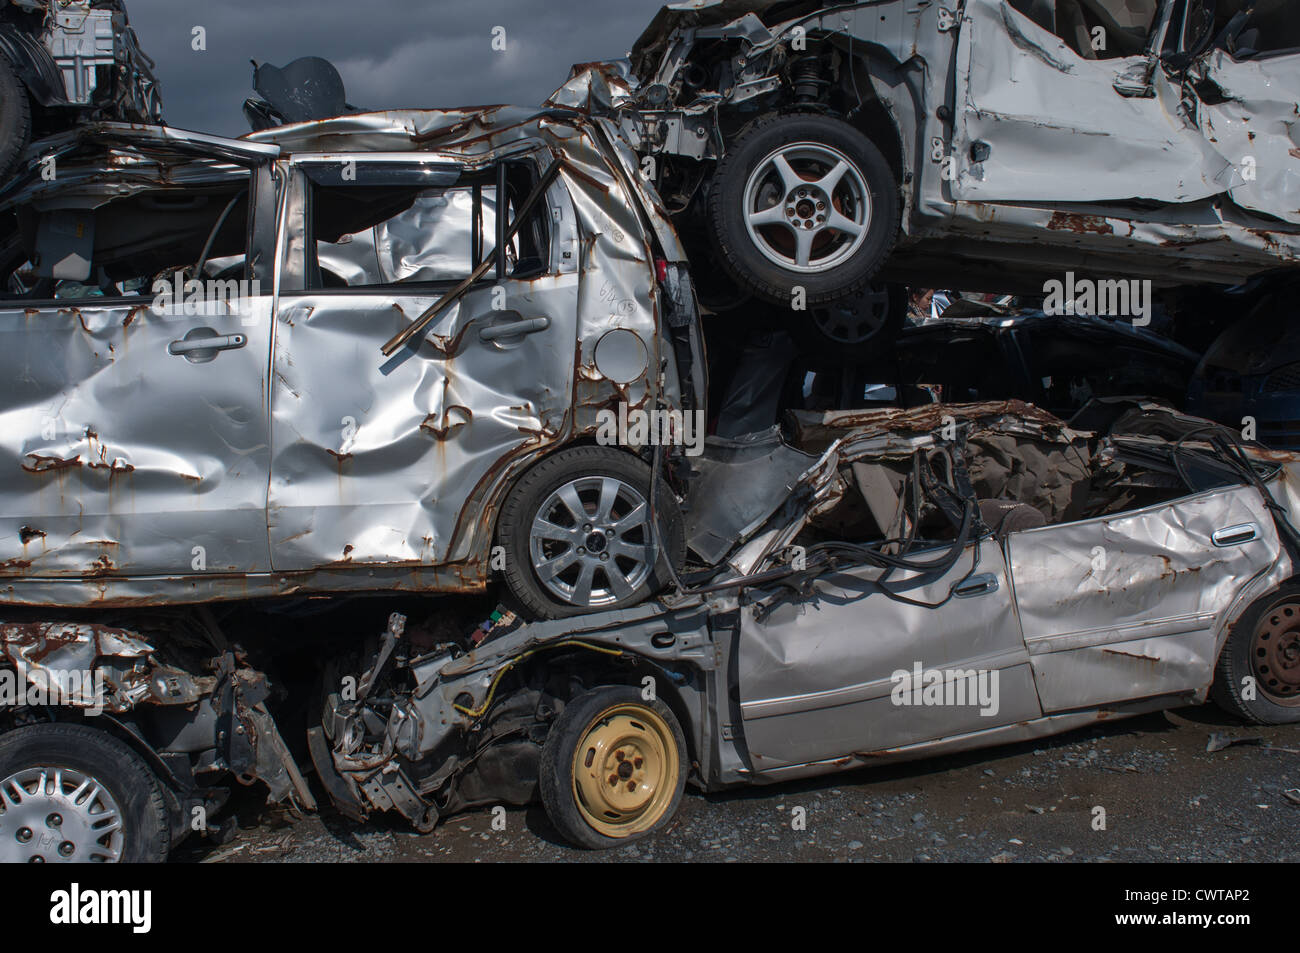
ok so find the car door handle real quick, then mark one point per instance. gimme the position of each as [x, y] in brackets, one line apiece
[220, 342]
[514, 329]
[980, 585]
[1235, 535]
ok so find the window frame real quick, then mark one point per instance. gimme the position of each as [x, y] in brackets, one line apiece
[494, 175]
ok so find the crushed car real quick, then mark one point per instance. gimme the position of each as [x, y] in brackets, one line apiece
[262, 393]
[66, 62]
[418, 323]
[934, 580]
[998, 143]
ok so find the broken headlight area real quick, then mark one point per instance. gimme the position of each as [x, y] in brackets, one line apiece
[199, 716]
[431, 731]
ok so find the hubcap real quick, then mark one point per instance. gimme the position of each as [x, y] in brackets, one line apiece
[591, 543]
[807, 207]
[625, 771]
[1275, 654]
[854, 321]
[58, 815]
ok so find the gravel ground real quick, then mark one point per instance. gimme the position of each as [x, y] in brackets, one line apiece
[1165, 798]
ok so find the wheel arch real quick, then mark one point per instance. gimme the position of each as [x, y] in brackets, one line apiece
[596, 670]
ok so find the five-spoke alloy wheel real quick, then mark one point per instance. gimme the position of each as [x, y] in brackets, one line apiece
[803, 203]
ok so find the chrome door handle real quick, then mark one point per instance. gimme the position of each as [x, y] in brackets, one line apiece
[220, 342]
[514, 329]
[1235, 535]
[980, 585]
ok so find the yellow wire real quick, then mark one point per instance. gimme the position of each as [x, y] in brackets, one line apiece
[496, 679]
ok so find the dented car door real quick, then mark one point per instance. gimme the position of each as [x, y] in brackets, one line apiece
[1130, 605]
[1043, 119]
[835, 674]
[386, 460]
[1249, 91]
[136, 427]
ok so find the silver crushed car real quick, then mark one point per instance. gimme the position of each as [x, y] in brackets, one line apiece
[364, 353]
[998, 143]
[921, 581]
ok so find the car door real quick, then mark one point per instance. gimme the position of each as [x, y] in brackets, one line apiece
[1249, 84]
[822, 678]
[382, 461]
[1044, 116]
[1128, 606]
[135, 427]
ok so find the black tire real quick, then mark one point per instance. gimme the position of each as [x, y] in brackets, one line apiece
[749, 263]
[15, 118]
[533, 491]
[92, 753]
[561, 755]
[850, 331]
[1272, 621]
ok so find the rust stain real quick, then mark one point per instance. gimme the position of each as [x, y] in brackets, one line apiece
[46, 464]
[1143, 658]
[1081, 224]
[441, 428]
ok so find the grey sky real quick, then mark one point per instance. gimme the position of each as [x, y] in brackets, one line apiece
[391, 53]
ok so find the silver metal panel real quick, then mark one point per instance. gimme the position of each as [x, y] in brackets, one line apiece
[120, 458]
[1129, 605]
[1044, 109]
[375, 458]
[815, 676]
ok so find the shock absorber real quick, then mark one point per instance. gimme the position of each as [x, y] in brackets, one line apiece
[808, 79]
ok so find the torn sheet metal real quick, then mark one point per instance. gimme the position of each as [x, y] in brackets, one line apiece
[738, 484]
[220, 718]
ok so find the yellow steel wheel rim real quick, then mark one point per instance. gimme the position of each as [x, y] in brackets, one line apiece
[625, 770]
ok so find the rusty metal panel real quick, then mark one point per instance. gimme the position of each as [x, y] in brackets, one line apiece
[125, 459]
[1130, 605]
[375, 459]
[816, 675]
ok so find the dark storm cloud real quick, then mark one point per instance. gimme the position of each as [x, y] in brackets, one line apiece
[391, 53]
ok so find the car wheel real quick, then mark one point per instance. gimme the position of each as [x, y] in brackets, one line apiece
[15, 117]
[72, 794]
[613, 768]
[1258, 675]
[803, 201]
[576, 533]
[853, 330]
